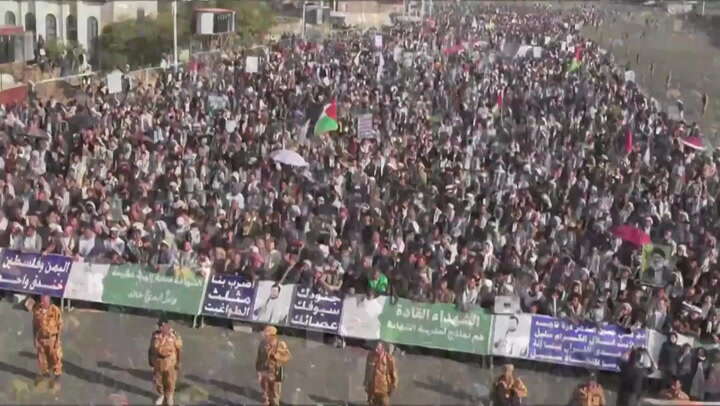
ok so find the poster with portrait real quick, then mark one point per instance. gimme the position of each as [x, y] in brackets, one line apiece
[656, 264]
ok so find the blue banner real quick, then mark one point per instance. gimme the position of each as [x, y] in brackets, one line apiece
[229, 296]
[584, 345]
[34, 273]
[314, 311]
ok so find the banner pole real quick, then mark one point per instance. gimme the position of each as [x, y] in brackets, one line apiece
[490, 379]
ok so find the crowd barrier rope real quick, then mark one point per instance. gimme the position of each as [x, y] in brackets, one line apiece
[404, 322]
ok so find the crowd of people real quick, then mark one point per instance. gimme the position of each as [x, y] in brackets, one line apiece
[488, 173]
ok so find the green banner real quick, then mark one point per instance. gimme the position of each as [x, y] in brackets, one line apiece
[137, 286]
[436, 326]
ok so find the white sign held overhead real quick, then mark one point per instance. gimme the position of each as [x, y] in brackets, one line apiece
[547, 40]
[230, 125]
[365, 126]
[378, 41]
[522, 51]
[537, 52]
[630, 76]
[251, 64]
[114, 82]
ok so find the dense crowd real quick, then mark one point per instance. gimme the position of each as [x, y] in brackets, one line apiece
[489, 173]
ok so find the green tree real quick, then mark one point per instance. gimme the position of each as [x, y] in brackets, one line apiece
[140, 42]
[253, 19]
[143, 42]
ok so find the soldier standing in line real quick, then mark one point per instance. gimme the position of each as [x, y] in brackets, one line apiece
[164, 358]
[272, 355]
[380, 376]
[590, 393]
[47, 325]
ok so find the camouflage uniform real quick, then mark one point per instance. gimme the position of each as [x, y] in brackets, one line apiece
[164, 357]
[271, 356]
[47, 325]
[509, 390]
[587, 396]
[380, 378]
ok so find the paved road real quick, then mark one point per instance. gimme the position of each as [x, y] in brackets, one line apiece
[106, 362]
[673, 44]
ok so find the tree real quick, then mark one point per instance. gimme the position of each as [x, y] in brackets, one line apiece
[143, 42]
[253, 19]
[139, 42]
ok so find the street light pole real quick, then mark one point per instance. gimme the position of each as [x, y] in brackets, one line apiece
[303, 22]
[175, 35]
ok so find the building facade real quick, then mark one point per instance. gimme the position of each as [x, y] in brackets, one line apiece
[81, 21]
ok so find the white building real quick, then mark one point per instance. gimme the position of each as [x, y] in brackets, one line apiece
[72, 20]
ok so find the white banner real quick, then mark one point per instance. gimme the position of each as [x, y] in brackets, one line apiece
[272, 304]
[86, 282]
[537, 52]
[361, 317]
[511, 335]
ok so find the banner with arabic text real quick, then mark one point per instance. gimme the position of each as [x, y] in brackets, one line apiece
[137, 286]
[229, 296]
[34, 273]
[586, 345]
[439, 326]
[314, 311]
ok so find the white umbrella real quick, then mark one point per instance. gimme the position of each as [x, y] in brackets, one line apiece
[288, 157]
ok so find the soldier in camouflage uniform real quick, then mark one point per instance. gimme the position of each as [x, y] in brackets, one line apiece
[380, 376]
[164, 358]
[47, 326]
[272, 355]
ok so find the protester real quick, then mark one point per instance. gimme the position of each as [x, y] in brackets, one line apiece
[633, 374]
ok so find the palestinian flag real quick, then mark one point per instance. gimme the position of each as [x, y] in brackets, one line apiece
[328, 119]
[577, 60]
[574, 65]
